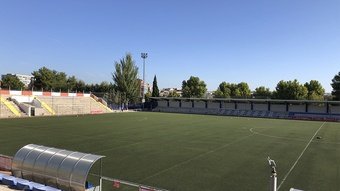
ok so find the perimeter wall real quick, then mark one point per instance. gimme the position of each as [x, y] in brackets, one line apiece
[290, 109]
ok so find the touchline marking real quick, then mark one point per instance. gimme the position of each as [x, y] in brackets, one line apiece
[297, 160]
[277, 137]
[196, 157]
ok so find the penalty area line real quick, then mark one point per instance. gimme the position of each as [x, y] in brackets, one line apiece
[297, 160]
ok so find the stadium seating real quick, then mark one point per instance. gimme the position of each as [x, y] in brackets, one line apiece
[227, 112]
[281, 109]
[9, 109]
[1, 177]
[74, 105]
[20, 106]
[22, 184]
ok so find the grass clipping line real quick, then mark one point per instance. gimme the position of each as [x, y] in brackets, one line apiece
[297, 160]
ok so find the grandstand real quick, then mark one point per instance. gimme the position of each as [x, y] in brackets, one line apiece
[28, 103]
[8, 108]
[283, 109]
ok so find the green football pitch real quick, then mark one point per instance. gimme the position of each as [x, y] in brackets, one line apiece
[192, 152]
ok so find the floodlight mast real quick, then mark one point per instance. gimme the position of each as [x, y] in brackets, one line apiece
[273, 176]
[144, 56]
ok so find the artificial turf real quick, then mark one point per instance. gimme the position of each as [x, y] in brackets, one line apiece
[191, 152]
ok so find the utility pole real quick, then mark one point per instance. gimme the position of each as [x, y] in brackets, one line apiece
[144, 56]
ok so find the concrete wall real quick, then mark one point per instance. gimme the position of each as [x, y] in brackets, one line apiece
[199, 104]
[244, 106]
[40, 112]
[173, 103]
[228, 105]
[260, 107]
[25, 107]
[186, 104]
[20, 99]
[36, 103]
[317, 108]
[162, 103]
[297, 108]
[213, 105]
[334, 109]
[278, 107]
[275, 107]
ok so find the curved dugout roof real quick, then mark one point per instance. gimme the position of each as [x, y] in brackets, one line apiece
[66, 170]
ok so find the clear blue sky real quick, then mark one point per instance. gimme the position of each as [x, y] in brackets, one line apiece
[256, 41]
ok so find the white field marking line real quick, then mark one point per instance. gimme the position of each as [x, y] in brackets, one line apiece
[327, 142]
[278, 137]
[297, 160]
[196, 157]
[118, 147]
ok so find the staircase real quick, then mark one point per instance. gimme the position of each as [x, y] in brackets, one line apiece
[46, 106]
[11, 107]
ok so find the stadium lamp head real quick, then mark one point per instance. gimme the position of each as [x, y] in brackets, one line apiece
[144, 55]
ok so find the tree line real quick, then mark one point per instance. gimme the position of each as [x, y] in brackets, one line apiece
[126, 86]
[45, 79]
[287, 90]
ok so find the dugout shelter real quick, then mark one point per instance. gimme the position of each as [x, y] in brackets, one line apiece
[63, 169]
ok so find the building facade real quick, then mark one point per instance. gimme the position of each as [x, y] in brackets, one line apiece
[26, 79]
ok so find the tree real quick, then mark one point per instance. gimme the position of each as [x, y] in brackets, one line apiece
[227, 90]
[291, 90]
[315, 91]
[244, 89]
[173, 93]
[80, 85]
[336, 87]
[71, 83]
[235, 92]
[262, 92]
[223, 90]
[48, 79]
[193, 87]
[59, 82]
[148, 94]
[105, 87]
[125, 79]
[43, 78]
[155, 90]
[11, 82]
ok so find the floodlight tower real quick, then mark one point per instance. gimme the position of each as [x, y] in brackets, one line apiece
[273, 177]
[144, 56]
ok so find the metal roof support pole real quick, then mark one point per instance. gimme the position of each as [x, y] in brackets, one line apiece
[100, 175]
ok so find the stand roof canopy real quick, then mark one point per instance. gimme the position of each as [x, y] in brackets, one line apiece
[63, 169]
